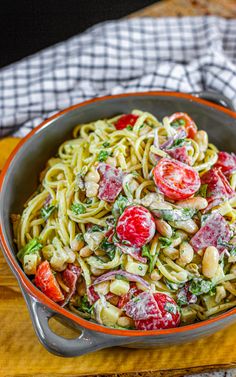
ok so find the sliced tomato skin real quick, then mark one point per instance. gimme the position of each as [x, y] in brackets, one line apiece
[175, 179]
[162, 319]
[126, 120]
[136, 225]
[46, 281]
[133, 292]
[189, 126]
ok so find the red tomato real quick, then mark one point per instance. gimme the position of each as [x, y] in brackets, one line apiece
[126, 120]
[166, 314]
[136, 225]
[227, 162]
[184, 120]
[176, 180]
[46, 281]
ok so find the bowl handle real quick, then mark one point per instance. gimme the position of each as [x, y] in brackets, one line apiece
[215, 97]
[88, 341]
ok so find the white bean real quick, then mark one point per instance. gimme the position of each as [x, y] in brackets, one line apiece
[186, 253]
[201, 138]
[210, 262]
[85, 252]
[163, 228]
[91, 189]
[76, 245]
[92, 176]
[171, 252]
[197, 203]
[188, 226]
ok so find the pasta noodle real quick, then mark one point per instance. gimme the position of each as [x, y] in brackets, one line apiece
[71, 222]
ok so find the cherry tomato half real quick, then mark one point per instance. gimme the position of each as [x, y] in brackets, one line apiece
[183, 119]
[46, 281]
[126, 120]
[175, 179]
[227, 162]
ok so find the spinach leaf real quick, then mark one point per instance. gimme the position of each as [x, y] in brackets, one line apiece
[32, 247]
[109, 247]
[178, 143]
[119, 206]
[199, 286]
[85, 305]
[165, 242]
[152, 258]
[176, 214]
[47, 211]
[102, 156]
[78, 208]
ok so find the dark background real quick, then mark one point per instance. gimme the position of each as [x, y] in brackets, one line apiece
[27, 26]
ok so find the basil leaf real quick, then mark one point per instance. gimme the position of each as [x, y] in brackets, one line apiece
[102, 156]
[96, 228]
[178, 143]
[165, 242]
[85, 305]
[152, 258]
[119, 206]
[199, 286]
[109, 247]
[129, 128]
[78, 208]
[32, 247]
[47, 211]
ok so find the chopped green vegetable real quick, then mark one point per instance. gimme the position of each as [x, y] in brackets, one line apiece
[129, 128]
[152, 258]
[106, 144]
[199, 286]
[119, 205]
[178, 143]
[202, 191]
[102, 156]
[78, 208]
[96, 228]
[47, 211]
[109, 247]
[32, 247]
[182, 298]
[165, 242]
[175, 214]
[85, 305]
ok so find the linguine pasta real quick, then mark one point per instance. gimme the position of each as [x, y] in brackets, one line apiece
[122, 243]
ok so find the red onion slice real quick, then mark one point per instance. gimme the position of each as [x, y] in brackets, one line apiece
[112, 275]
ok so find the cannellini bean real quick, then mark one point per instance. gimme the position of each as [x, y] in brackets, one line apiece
[181, 234]
[171, 252]
[92, 176]
[91, 189]
[163, 228]
[85, 252]
[155, 275]
[188, 226]
[111, 161]
[220, 294]
[186, 253]
[197, 203]
[201, 138]
[193, 269]
[151, 198]
[125, 322]
[210, 262]
[102, 288]
[76, 245]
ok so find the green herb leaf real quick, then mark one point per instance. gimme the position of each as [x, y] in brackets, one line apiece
[199, 286]
[106, 144]
[172, 286]
[152, 258]
[32, 247]
[119, 205]
[85, 305]
[178, 143]
[96, 228]
[129, 128]
[177, 214]
[203, 191]
[47, 211]
[78, 208]
[102, 156]
[165, 242]
[109, 247]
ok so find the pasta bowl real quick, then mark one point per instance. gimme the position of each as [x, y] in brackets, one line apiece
[19, 179]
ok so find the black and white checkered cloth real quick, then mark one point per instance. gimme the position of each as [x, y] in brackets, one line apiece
[183, 54]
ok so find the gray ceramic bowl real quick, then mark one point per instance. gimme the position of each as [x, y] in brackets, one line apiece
[19, 179]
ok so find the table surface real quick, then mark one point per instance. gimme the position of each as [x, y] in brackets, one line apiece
[22, 354]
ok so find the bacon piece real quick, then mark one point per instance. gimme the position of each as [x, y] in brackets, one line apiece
[218, 188]
[227, 163]
[70, 277]
[180, 154]
[110, 184]
[214, 230]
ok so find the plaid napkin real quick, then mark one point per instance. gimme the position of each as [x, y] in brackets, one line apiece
[184, 54]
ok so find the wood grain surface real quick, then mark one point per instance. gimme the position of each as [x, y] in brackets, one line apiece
[21, 354]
